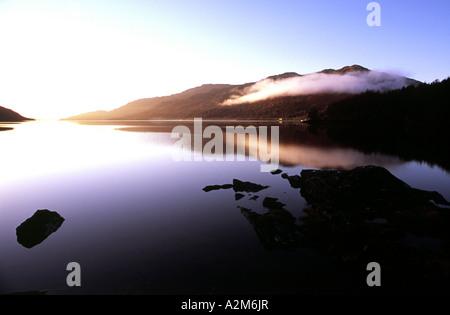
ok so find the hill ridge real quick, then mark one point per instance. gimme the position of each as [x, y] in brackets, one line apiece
[207, 101]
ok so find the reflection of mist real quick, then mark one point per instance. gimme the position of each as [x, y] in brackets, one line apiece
[320, 157]
[297, 144]
[338, 158]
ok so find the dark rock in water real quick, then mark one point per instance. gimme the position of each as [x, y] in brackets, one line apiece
[275, 172]
[238, 196]
[272, 203]
[370, 186]
[217, 187]
[37, 228]
[255, 197]
[366, 193]
[294, 180]
[359, 216]
[238, 186]
[247, 186]
[276, 228]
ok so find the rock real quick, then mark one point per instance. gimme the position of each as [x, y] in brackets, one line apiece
[217, 187]
[275, 172]
[238, 186]
[362, 215]
[294, 180]
[369, 187]
[272, 203]
[38, 227]
[238, 196]
[276, 228]
[247, 186]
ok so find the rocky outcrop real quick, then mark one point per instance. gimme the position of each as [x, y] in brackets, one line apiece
[294, 180]
[369, 192]
[364, 215]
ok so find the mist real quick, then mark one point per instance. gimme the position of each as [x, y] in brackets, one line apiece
[354, 82]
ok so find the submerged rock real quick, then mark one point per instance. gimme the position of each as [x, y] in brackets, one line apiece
[276, 229]
[38, 227]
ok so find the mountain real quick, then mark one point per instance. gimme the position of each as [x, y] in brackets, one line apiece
[412, 105]
[246, 101]
[7, 115]
[345, 70]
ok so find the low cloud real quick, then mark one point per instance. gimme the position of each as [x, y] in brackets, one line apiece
[354, 82]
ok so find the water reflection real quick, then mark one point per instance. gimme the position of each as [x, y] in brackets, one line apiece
[299, 144]
[6, 126]
[415, 144]
[38, 227]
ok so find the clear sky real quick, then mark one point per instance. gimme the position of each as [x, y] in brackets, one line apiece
[59, 58]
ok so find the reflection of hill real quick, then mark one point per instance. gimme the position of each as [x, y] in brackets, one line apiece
[418, 144]
[38, 227]
[325, 145]
[362, 215]
[299, 144]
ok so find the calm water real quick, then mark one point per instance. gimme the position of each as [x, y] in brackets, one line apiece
[137, 221]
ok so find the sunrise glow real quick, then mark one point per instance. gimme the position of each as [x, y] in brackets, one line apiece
[63, 58]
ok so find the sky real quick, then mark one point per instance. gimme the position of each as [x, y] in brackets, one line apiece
[60, 58]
